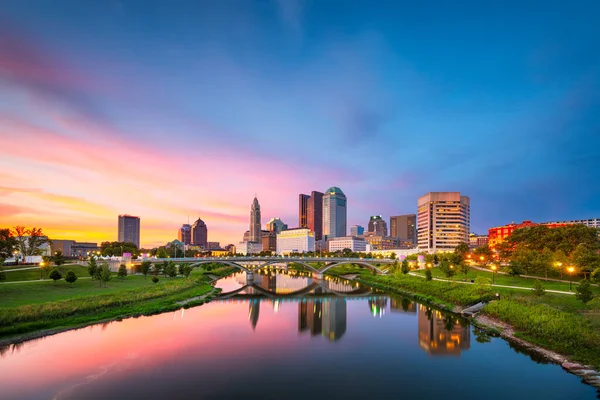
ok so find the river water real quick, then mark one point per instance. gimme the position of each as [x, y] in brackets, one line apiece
[283, 337]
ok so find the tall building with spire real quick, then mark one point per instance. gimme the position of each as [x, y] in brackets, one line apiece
[255, 224]
[334, 213]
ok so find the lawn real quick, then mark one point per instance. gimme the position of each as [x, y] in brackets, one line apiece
[34, 274]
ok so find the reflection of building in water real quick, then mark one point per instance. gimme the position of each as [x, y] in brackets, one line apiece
[377, 306]
[339, 286]
[436, 339]
[253, 312]
[327, 317]
[268, 282]
[403, 305]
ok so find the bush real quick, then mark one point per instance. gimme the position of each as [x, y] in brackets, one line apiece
[155, 279]
[428, 275]
[122, 273]
[405, 266]
[584, 291]
[70, 277]
[538, 288]
[55, 275]
[187, 270]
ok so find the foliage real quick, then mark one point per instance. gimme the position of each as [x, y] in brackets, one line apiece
[485, 252]
[584, 291]
[155, 279]
[118, 248]
[405, 267]
[586, 258]
[564, 238]
[514, 269]
[70, 277]
[7, 244]
[428, 275]
[447, 269]
[58, 258]
[93, 267]
[462, 250]
[532, 262]
[538, 288]
[482, 285]
[156, 268]
[145, 268]
[162, 252]
[436, 259]
[187, 270]
[595, 276]
[29, 241]
[122, 272]
[55, 275]
[104, 274]
[171, 270]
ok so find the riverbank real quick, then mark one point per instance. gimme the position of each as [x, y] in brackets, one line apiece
[552, 326]
[32, 321]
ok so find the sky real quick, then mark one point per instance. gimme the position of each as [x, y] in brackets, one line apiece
[171, 110]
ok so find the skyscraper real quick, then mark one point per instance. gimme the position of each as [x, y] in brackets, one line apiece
[357, 230]
[443, 221]
[302, 210]
[129, 229]
[314, 212]
[199, 234]
[404, 227]
[334, 213]
[377, 225]
[184, 235]
[255, 224]
[276, 225]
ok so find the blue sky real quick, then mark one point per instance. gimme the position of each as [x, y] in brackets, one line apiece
[387, 100]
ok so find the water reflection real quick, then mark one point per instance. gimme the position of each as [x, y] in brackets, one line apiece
[442, 334]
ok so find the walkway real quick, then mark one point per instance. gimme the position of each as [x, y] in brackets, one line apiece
[494, 285]
[541, 278]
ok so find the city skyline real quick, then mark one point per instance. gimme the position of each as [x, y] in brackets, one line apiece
[104, 117]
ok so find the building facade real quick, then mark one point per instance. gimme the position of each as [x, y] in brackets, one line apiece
[378, 242]
[276, 225]
[314, 214]
[269, 241]
[444, 220]
[184, 235]
[477, 240]
[591, 223]
[498, 234]
[303, 210]
[404, 227]
[347, 242]
[247, 248]
[64, 246]
[357, 231]
[377, 225]
[129, 229]
[298, 240]
[334, 213]
[199, 234]
[84, 249]
[255, 224]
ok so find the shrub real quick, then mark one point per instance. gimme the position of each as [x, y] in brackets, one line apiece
[70, 277]
[405, 266]
[538, 288]
[122, 273]
[55, 275]
[428, 275]
[584, 291]
[155, 279]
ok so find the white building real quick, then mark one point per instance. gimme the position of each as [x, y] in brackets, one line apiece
[347, 242]
[299, 240]
[248, 248]
[592, 222]
[443, 221]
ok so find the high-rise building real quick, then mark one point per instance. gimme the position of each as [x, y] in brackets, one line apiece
[377, 225]
[302, 210]
[184, 235]
[129, 229]
[276, 225]
[255, 224]
[199, 234]
[269, 241]
[443, 221]
[357, 230]
[314, 212]
[404, 227]
[334, 213]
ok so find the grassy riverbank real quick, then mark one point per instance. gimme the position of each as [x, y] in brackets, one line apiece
[134, 296]
[557, 322]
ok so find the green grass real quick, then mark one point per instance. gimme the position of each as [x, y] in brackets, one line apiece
[501, 279]
[34, 274]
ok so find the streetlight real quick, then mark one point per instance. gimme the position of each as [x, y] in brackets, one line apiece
[570, 269]
[494, 273]
[16, 253]
[559, 265]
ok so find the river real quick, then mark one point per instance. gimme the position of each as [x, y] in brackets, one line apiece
[283, 337]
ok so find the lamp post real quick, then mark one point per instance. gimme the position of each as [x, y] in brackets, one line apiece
[16, 253]
[481, 258]
[570, 269]
[559, 265]
[494, 273]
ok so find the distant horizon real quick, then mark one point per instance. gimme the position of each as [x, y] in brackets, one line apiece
[167, 111]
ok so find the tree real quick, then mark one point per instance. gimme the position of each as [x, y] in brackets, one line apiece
[105, 274]
[538, 288]
[145, 268]
[187, 270]
[70, 277]
[483, 254]
[514, 269]
[462, 250]
[584, 291]
[171, 270]
[118, 248]
[181, 268]
[405, 267]
[165, 267]
[447, 269]
[58, 258]
[586, 258]
[155, 279]
[93, 267]
[436, 259]
[595, 276]
[55, 275]
[428, 275]
[122, 272]
[29, 242]
[8, 244]
[156, 268]
[162, 252]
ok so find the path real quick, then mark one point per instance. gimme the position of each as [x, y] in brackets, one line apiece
[541, 278]
[494, 285]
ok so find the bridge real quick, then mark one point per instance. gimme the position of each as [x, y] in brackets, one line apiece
[315, 289]
[249, 264]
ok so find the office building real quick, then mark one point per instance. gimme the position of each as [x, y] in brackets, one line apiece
[377, 226]
[84, 249]
[334, 213]
[255, 224]
[404, 227]
[347, 242]
[378, 242]
[64, 246]
[357, 230]
[129, 229]
[297, 240]
[314, 211]
[590, 223]
[184, 235]
[213, 245]
[199, 235]
[247, 248]
[276, 225]
[477, 240]
[443, 221]
[269, 241]
[302, 210]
